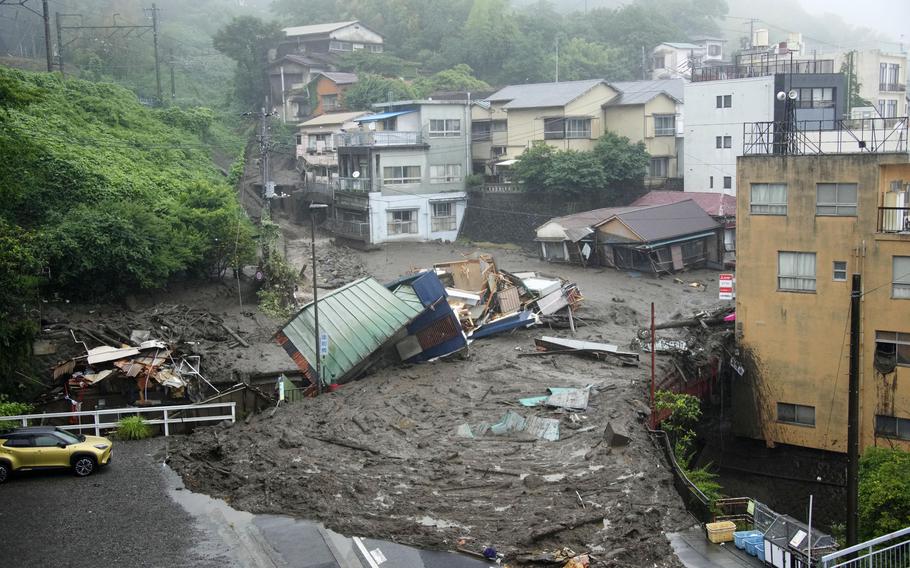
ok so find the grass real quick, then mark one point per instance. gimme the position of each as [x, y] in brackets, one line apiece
[133, 428]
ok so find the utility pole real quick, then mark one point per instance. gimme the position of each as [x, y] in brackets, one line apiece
[557, 59]
[173, 83]
[155, 41]
[751, 33]
[644, 65]
[853, 416]
[46, 15]
[59, 43]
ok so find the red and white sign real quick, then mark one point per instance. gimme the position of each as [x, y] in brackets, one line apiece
[727, 286]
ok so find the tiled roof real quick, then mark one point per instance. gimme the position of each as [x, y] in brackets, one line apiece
[714, 204]
[542, 95]
[640, 92]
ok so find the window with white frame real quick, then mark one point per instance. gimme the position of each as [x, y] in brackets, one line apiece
[578, 128]
[900, 277]
[440, 127]
[724, 101]
[664, 125]
[402, 222]
[892, 427]
[397, 175]
[840, 270]
[330, 102]
[446, 173]
[891, 348]
[723, 141]
[659, 167]
[768, 199]
[796, 271]
[443, 218]
[498, 151]
[837, 199]
[800, 414]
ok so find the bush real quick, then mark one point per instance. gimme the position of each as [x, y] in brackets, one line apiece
[884, 491]
[10, 408]
[133, 428]
[473, 180]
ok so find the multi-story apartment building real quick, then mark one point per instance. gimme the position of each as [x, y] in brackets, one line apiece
[882, 78]
[813, 209]
[401, 173]
[721, 98]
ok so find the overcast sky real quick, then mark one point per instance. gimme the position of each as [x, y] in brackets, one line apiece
[891, 17]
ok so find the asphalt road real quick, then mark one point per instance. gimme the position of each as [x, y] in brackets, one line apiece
[119, 516]
[135, 513]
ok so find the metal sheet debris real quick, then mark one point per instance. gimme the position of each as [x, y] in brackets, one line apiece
[107, 353]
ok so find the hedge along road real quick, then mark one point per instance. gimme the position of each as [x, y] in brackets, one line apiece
[136, 513]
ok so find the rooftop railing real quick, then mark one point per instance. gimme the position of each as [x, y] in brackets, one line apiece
[378, 138]
[814, 137]
[760, 68]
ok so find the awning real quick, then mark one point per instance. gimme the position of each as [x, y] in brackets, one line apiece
[505, 163]
[382, 116]
[655, 244]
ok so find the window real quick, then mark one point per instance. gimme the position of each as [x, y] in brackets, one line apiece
[392, 175]
[20, 442]
[900, 277]
[728, 182]
[892, 427]
[498, 151]
[796, 271]
[815, 98]
[375, 48]
[658, 61]
[329, 102]
[448, 173]
[47, 441]
[443, 216]
[664, 125]
[840, 270]
[500, 125]
[891, 348]
[440, 128]
[659, 167]
[403, 222]
[340, 46]
[838, 199]
[480, 131]
[710, 182]
[723, 141]
[714, 50]
[796, 414]
[768, 199]
[578, 128]
[358, 46]
[554, 128]
[891, 109]
[724, 101]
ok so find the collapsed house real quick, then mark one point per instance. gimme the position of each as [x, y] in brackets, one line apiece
[659, 238]
[432, 313]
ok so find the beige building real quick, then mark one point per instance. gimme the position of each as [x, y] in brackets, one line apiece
[651, 112]
[805, 225]
[882, 79]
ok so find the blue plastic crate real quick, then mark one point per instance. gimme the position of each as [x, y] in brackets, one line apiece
[761, 551]
[754, 544]
[739, 538]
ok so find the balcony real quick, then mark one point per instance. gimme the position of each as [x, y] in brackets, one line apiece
[354, 184]
[815, 137]
[358, 230]
[892, 87]
[761, 68]
[894, 220]
[378, 138]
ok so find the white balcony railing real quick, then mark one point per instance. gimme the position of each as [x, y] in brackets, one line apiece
[378, 138]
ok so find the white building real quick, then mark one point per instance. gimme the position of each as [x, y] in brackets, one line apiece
[401, 173]
[675, 60]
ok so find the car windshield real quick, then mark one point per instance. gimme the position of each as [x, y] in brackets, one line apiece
[66, 436]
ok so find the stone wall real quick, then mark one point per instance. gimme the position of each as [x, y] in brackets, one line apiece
[513, 217]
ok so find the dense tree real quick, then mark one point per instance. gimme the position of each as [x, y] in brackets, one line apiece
[580, 59]
[247, 40]
[371, 89]
[458, 78]
[884, 491]
[623, 162]
[377, 64]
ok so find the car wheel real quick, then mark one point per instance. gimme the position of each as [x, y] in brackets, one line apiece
[4, 471]
[83, 466]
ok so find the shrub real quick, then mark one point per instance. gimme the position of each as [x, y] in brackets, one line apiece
[133, 428]
[10, 408]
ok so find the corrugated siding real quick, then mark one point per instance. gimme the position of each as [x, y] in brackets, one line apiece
[359, 318]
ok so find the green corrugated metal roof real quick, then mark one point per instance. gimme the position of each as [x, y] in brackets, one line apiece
[408, 295]
[358, 317]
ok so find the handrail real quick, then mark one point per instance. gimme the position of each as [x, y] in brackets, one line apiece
[166, 420]
[863, 546]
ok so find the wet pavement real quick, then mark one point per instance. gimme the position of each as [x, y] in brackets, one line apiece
[696, 551]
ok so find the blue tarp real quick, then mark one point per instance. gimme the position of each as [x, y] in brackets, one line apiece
[382, 116]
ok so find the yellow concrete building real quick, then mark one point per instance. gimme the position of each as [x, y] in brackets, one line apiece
[805, 224]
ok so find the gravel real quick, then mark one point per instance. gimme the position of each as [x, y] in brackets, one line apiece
[120, 516]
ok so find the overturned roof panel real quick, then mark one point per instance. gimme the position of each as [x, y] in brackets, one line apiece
[358, 319]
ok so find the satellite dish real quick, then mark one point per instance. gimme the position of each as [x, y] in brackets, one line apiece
[792, 95]
[355, 175]
[781, 96]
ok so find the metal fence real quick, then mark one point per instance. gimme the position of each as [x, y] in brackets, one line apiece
[169, 415]
[813, 137]
[378, 138]
[356, 229]
[894, 219]
[888, 551]
[760, 67]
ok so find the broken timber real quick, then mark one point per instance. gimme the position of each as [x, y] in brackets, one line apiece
[560, 345]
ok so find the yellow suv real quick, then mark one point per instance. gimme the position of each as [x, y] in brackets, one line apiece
[47, 447]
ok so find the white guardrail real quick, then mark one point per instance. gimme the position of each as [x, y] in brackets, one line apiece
[167, 417]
